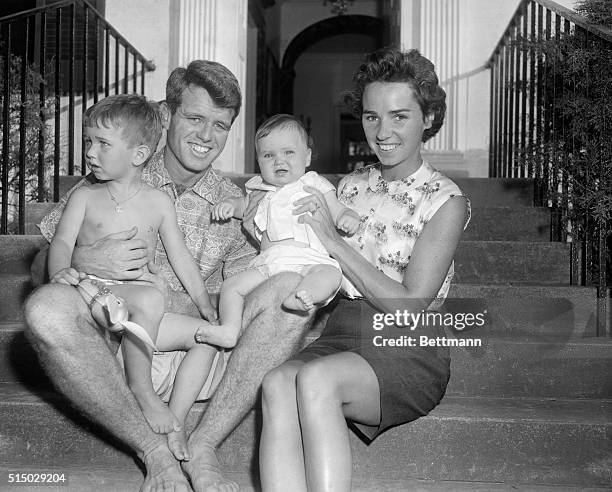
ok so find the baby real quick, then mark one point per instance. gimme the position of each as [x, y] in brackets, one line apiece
[120, 134]
[283, 153]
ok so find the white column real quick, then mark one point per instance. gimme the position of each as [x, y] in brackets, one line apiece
[217, 30]
[410, 24]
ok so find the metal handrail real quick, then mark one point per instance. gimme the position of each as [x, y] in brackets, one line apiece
[526, 117]
[49, 67]
[149, 65]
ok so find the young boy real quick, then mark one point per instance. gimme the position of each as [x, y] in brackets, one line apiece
[283, 153]
[120, 134]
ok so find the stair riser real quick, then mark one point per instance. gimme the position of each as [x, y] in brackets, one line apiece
[497, 369]
[13, 291]
[18, 253]
[507, 262]
[563, 313]
[508, 224]
[429, 448]
[521, 370]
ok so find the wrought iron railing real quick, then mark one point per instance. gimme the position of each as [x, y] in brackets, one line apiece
[543, 74]
[55, 61]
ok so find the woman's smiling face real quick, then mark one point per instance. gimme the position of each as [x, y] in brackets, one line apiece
[393, 123]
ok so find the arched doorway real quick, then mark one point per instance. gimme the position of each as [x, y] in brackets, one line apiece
[317, 67]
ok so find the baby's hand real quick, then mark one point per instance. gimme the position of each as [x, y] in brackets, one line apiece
[68, 276]
[223, 211]
[209, 314]
[348, 221]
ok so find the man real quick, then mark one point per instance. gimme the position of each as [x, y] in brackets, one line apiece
[201, 104]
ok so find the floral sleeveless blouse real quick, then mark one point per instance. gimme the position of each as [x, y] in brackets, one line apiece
[393, 214]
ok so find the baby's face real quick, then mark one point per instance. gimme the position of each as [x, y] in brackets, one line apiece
[108, 153]
[282, 156]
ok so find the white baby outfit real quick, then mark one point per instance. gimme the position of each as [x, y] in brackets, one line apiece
[274, 215]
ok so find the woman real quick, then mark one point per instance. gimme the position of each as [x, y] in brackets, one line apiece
[401, 259]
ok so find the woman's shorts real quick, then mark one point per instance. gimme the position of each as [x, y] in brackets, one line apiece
[412, 379]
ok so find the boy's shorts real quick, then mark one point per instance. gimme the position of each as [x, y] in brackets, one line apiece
[165, 365]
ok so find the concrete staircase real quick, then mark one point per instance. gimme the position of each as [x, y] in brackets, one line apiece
[531, 409]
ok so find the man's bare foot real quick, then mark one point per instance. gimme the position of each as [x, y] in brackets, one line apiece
[177, 442]
[158, 415]
[163, 472]
[204, 471]
[300, 300]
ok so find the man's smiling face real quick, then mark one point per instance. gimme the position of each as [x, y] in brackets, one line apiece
[197, 133]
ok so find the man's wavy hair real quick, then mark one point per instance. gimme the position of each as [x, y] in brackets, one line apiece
[391, 65]
[216, 79]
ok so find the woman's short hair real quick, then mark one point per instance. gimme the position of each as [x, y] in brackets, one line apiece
[391, 65]
[216, 79]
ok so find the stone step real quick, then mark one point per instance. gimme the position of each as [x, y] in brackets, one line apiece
[523, 441]
[560, 312]
[509, 224]
[130, 480]
[500, 367]
[18, 252]
[14, 288]
[512, 262]
[527, 367]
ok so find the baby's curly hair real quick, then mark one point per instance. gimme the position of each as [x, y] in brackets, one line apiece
[391, 65]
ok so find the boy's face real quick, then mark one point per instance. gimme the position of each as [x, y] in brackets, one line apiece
[282, 156]
[109, 154]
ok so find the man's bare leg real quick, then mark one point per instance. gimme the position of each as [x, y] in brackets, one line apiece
[77, 360]
[270, 335]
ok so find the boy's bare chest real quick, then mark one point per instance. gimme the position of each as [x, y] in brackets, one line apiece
[103, 217]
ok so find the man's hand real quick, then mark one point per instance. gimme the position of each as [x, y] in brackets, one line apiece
[68, 276]
[118, 256]
[223, 211]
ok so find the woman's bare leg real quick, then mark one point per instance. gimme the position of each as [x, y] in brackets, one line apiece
[281, 459]
[329, 390]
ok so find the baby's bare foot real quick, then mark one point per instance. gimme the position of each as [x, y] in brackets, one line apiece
[299, 300]
[204, 472]
[158, 415]
[225, 335]
[177, 442]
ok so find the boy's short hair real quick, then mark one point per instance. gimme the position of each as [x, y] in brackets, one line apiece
[139, 119]
[283, 121]
[221, 85]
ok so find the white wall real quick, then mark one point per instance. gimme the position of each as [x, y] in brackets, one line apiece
[144, 23]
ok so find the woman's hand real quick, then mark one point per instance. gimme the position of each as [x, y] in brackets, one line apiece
[313, 210]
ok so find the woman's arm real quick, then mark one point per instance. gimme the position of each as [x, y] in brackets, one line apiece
[429, 263]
